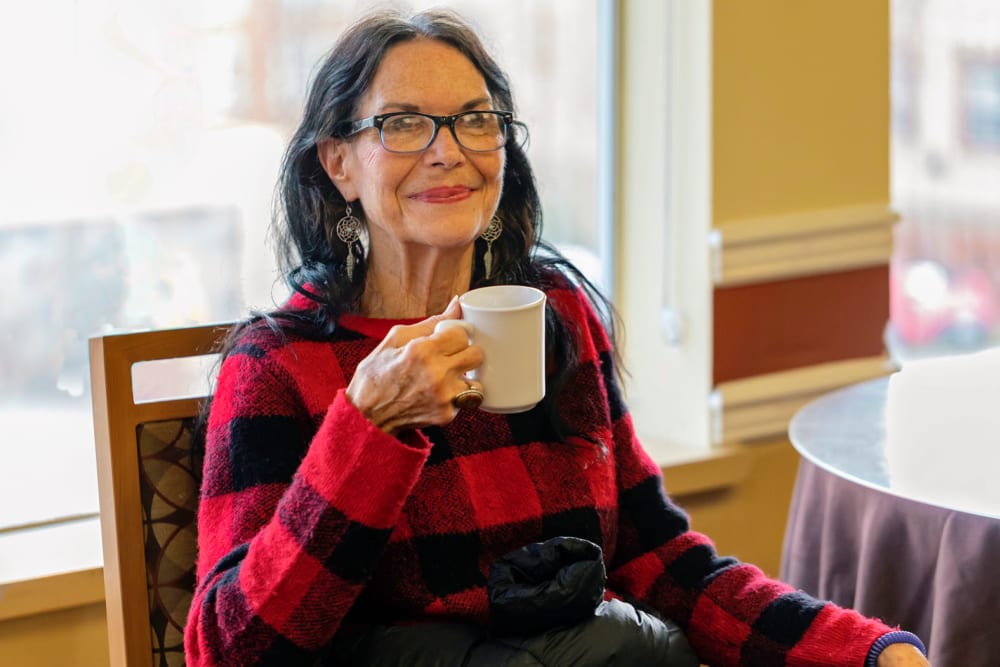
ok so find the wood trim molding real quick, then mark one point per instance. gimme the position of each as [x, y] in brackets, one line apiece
[761, 406]
[52, 593]
[761, 249]
[707, 470]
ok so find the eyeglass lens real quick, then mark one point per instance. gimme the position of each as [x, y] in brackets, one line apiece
[476, 131]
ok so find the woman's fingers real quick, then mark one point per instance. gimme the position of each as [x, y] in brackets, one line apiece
[400, 335]
[468, 359]
[451, 340]
[411, 378]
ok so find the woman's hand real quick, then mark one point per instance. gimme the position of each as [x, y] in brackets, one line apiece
[408, 381]
[902, 655]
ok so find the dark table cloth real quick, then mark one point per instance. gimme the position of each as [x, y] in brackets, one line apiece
[858, 533]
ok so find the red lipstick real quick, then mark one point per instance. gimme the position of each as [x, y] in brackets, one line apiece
[443, 195]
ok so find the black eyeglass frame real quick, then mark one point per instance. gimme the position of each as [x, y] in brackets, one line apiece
[350, 128]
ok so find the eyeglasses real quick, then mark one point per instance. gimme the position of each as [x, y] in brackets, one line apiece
[410, 132]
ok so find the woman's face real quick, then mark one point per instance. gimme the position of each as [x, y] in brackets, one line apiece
[442, 197]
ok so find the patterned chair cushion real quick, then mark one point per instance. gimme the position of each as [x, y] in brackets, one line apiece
[169, 491]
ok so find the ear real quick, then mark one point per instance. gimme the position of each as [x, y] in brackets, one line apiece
[335, 159]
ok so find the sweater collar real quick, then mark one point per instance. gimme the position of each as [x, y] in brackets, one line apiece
[373, 327]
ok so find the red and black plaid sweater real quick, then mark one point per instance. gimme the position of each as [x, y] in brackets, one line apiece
[312, 519]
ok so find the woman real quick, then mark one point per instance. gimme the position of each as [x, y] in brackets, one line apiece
[345, 489]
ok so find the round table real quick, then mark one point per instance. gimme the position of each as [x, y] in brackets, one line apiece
[896, 509]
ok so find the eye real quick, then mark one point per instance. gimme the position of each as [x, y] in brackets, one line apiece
[475, 119]
[479, 121]
[404, 124]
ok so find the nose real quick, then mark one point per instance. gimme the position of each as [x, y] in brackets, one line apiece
[445, 150]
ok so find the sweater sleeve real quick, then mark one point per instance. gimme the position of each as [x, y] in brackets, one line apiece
[290, 526]
[732, 614]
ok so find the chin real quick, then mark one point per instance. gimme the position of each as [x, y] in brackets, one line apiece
[452, 227]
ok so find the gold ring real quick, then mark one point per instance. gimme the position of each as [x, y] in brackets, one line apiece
[468, 399]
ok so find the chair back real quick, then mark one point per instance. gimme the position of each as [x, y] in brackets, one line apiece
[144, 416]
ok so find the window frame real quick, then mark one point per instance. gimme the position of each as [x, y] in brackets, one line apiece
[966, 60]
[664, 221]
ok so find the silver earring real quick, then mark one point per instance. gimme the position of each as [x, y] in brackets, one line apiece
[349, 232]
[490, 234]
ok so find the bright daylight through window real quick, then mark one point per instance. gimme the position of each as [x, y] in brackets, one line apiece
[945, 272]
[139, 144]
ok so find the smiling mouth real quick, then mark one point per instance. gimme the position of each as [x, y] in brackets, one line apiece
[444, 195]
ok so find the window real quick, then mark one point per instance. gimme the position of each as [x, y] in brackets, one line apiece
[139, 147]
[903, 89]
[945, 270]
[980, 100]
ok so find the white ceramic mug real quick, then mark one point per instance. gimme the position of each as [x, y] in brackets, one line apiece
[508, 323]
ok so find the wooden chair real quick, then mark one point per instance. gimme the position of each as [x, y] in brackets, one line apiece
[147, 487]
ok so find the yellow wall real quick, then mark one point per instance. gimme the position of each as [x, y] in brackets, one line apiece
[75, 637]
[746, 519]
[800, 105]
[800, 121]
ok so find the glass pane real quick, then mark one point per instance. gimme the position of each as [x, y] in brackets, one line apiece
[139, 146]
[166, 379]
[945, 270]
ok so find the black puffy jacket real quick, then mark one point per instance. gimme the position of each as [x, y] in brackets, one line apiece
[546, 608]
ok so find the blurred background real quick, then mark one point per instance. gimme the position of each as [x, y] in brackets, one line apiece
[139, 147]
[945, 271]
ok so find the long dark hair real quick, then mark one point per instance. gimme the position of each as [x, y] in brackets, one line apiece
[308, 205]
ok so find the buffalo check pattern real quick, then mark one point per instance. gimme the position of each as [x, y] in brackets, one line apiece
[312, 520]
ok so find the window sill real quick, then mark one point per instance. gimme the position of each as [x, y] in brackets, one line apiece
[52, 567]
[688, 471]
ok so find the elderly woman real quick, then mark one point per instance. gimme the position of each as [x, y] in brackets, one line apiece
[353, 511]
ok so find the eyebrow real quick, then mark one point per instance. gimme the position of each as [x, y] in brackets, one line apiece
[402, 106]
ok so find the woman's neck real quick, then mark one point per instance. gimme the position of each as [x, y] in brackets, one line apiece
[414, 287]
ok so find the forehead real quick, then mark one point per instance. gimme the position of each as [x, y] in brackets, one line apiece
[427, 74]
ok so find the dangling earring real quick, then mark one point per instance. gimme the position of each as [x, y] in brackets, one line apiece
[349, 232]
[490, 234]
